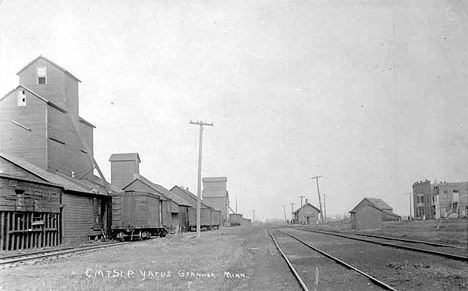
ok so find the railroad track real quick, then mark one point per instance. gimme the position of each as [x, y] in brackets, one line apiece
[54, 253]
[413, 245]
[314, 284]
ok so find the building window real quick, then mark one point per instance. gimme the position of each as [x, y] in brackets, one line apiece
[21, 98]
[19, 192]
[41, 75]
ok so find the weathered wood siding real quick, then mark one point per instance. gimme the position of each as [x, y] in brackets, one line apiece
[29, 214]
[54, 90]
[122, 174]
[166, 216]
[366, 217]
[83, 217]
[71, 91]
[29, 143]
[183, 218]
[135, 210]
[65, 151]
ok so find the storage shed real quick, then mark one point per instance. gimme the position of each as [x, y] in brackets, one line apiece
[366, 217]
[41, 209]
[387, 210]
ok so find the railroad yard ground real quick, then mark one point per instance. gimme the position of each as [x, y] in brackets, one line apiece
[226, 259]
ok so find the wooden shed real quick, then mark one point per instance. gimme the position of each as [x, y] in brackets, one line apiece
[387, 210]
[366, 217]
[41, 209]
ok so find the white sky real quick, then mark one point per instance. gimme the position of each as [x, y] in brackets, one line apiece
[370, 97]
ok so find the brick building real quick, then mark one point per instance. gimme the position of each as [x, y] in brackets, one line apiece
[440, 199]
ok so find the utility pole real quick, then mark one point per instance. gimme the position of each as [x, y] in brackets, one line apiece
[253, 216]
[292, 212]
[236, 204]
[201, 124]
[324, 208]
[410, 212]
[301, 210]
[284, 209]
[318, 192]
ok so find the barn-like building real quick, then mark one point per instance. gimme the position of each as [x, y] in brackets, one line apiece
[370, 212]
[47, 154]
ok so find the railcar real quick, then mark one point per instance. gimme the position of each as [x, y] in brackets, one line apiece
[205, 218]
[216, 219]
[235, 219]
[138, 215]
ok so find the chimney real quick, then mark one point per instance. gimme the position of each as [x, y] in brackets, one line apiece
[307, 201]
[123, 168]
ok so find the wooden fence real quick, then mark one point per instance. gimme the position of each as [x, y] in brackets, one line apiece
[26, 230]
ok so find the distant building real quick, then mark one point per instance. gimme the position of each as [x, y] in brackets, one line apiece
[306, 214]
[387, 210]
[366, 216]
[440, 199]
[215, 195]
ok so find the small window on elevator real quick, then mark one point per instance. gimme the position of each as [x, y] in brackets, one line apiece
[41, 75]
[21, 98]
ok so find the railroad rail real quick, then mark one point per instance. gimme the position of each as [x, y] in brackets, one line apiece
[411, 248]
[54, 253]
[430, 243]
[300, 280]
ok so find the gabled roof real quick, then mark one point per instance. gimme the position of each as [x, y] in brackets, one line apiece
[160, 189]
[191, 195]
[67, 183]
[359, 206]
[305, 206]
[51, 62]
[379, 203]
[46, 101]
[391, 213]
[125, 157]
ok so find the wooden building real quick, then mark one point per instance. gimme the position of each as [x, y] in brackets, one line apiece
[125, 173]
[245, 222]
[40, 122]
[366, 217]
[216, 195]
[47, 154]
[387, 210]
[41, 209]
[307, 214]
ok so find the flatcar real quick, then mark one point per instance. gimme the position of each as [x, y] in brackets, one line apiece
[138, 215]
